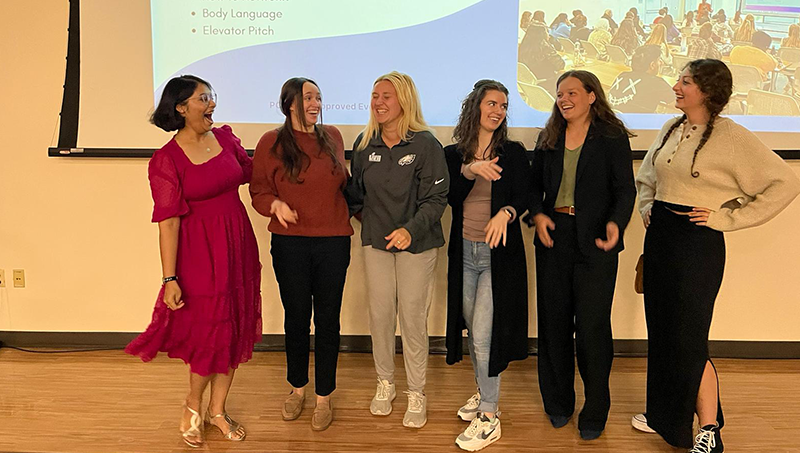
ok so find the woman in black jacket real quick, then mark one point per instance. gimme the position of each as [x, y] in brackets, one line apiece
[487, 290]
[582, 195]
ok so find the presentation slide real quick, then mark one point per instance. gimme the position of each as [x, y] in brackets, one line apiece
[772, 6]
[247, 48]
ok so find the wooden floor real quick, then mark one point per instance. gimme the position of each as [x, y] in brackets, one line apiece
[109, 402]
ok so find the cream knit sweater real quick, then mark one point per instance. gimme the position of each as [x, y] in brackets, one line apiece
[733, 164]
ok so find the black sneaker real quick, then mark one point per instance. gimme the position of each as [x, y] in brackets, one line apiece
[708, 440]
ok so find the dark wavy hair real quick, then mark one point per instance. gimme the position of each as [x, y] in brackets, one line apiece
[294, 160]
[469, 121]
[175, 93]
[600, 110]
[715, 81]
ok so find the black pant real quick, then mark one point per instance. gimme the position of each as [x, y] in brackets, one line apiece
[574, 295]
[311, 272]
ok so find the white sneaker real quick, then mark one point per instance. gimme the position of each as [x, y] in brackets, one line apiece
[417, 412]
[384, 395]
[469, 411]
[480, 433]
[639, 421]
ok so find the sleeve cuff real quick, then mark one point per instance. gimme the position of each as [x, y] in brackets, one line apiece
[512, 211]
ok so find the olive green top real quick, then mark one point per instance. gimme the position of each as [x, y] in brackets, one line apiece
[566, 191]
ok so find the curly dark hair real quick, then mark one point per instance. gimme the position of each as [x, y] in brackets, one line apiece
[715, 81]
[599, 110]
[469, 121]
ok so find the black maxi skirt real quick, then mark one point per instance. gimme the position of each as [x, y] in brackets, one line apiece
[683, 267]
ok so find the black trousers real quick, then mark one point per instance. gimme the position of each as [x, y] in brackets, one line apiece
[311, 272]
[574, 296]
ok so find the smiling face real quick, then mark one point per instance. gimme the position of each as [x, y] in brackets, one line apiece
[493, 110]
[305, 117]
[198, 109]
[385, 105]
[573, 101]
[688, 96]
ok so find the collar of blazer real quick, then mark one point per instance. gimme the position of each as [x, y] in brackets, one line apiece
[590, 144]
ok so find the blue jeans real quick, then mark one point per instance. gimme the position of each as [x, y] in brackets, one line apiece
[478, 314]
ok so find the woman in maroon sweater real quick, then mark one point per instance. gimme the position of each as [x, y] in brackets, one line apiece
[298, 177]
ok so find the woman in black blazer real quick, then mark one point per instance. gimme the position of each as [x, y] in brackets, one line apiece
[487, 290]
[582, 197]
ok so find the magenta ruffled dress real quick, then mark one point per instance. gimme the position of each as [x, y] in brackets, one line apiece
[218, 265]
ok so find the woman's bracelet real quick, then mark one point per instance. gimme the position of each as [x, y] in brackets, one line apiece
[172, 278]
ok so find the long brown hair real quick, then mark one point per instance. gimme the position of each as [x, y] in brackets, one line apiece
[715, 81]
[658, 37]
[286, 148]
[600, 110]
[469, 121]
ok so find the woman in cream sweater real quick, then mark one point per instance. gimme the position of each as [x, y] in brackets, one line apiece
[703, 175]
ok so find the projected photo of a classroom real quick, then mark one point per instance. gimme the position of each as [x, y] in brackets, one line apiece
[638, 49]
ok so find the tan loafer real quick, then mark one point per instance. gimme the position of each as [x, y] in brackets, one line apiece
[323, 416]
[293, 406]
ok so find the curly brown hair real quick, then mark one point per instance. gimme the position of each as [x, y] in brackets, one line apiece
[599, 110]
[715, 81]
[469, 121]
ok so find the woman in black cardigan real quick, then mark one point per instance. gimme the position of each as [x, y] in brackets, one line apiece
[582, 195]
[487, 275]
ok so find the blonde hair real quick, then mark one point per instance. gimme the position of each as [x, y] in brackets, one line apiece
[411, 119]
[793, 40]
[746, 30]
[659, 38]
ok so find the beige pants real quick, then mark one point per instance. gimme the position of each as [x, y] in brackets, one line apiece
[400, 283]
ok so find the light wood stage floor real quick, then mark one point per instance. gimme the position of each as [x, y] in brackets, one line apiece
[110, 402]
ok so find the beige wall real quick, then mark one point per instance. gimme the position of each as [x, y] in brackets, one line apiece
[80, 227]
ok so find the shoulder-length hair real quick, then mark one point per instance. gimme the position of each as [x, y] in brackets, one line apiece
[469, 121]
[411, 119]
[177, 91]
[294, 160]
[600, 111]
[793, 39]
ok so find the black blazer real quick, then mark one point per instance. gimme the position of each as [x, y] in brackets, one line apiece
[509, 271]
[604, 184]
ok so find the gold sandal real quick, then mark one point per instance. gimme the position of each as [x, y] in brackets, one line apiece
[193, 436]
[235, 432]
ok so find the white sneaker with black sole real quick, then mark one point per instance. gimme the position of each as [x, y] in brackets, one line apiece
[469, 411]
[639, 421]
[480, 433]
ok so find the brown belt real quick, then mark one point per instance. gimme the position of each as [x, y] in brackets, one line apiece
[566, 210]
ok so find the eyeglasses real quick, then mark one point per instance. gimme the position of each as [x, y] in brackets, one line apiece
[206, 98]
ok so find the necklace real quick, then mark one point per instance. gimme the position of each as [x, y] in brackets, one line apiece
[208, 150]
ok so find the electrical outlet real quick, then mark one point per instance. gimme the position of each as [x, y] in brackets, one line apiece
[2, 278]
[19, 278]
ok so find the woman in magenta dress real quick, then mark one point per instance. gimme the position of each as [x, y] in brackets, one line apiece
[208, 312]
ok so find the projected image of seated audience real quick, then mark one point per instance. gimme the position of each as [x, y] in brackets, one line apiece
[638, 55]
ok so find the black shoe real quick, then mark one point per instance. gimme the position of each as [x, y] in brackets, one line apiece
[708, 440]
[590, 434]
[558, 420]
